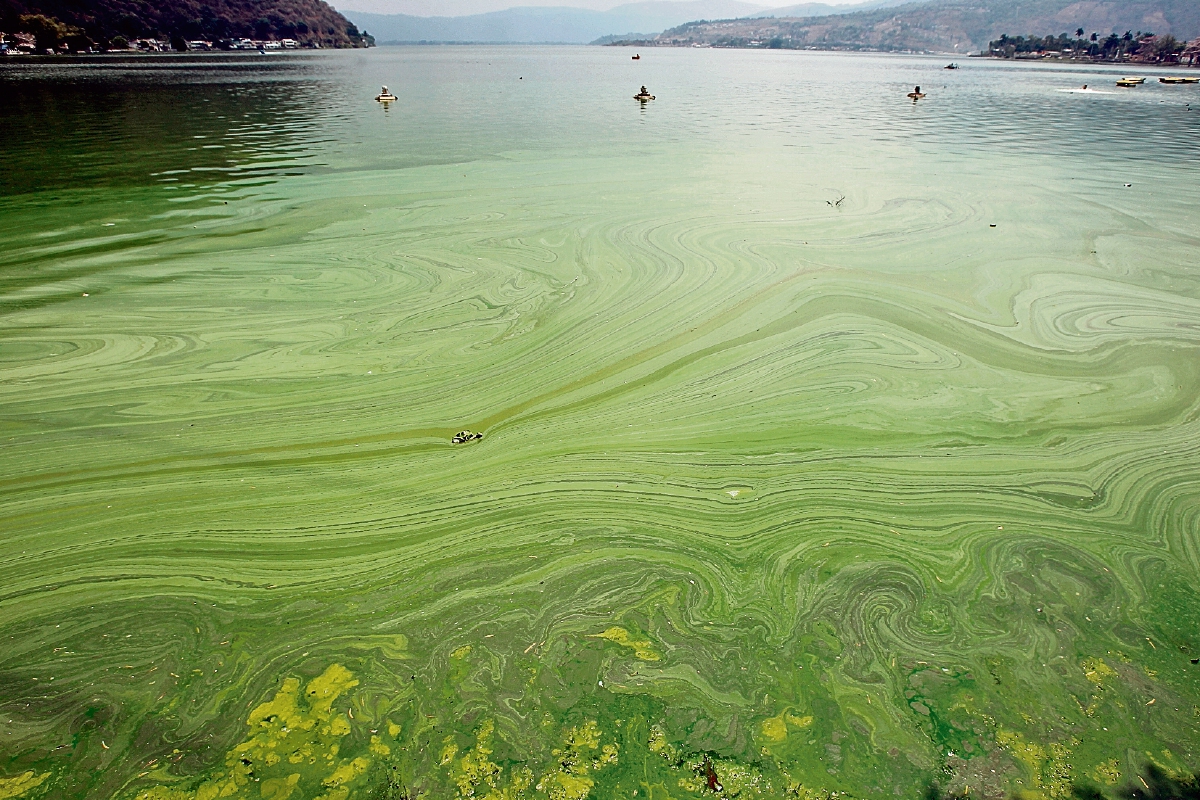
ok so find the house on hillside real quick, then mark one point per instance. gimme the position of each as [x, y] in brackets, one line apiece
[17, 43]
[1191, 54]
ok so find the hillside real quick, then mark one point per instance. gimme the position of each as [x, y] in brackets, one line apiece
[308, 21]
[824, 9]
[546, 24]
[946, 26]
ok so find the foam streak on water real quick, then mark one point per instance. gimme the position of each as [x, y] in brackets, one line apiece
[776, 492]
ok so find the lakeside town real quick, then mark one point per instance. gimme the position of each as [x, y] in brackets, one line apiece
[161, 29]
[27, 44]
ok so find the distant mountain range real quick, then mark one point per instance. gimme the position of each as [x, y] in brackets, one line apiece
[309, 21]
[467, 8]
[547, 23]
[570, 25]
[946, 26]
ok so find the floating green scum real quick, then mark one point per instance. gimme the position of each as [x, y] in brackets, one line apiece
[755, 494]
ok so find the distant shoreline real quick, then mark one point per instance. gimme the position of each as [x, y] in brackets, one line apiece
[651, 43]
[1089, 62]
[16, 58]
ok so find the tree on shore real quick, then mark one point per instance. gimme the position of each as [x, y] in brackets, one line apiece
[50, 34]
[1142, 47]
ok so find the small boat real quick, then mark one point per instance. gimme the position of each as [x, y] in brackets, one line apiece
[637, 57]
[1134, 80]
[385, 96]
[951, 65]
[1176, 80]
[1128, 84]
[644, 95]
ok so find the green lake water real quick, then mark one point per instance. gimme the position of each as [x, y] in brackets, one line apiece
[831, 443]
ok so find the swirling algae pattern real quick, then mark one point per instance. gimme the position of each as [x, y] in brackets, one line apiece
[774, 499]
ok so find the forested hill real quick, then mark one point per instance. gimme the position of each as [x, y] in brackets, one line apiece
[307, 21]
[949, 25]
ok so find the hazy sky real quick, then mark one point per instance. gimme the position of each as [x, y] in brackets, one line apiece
[454, 8]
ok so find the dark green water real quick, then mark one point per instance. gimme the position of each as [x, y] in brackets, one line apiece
[777, 494]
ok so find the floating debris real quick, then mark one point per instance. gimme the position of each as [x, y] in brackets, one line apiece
[466, 436]
[710, 776]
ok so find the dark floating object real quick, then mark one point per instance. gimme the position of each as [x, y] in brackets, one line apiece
[1196, 660]
[385, 96]
[636, 57]
[952, 65]
[710, 777]
[836, 203]
[643, 95]
[916, 94]
[466, 436]
[991, 226]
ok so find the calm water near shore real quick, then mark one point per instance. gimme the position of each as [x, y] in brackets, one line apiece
[831, 443]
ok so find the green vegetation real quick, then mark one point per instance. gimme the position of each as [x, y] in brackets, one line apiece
[1141, 47]
[50, 34]
[76, 25]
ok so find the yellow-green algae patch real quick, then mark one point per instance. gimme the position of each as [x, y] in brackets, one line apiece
[581, 755]
[578, 759]
[1106, 772]
[1097, 671]
[293, 744]
[642, 648]
[478, 776]
[1048, 766]
[21, 785]
[775, 729]
[707, 775]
